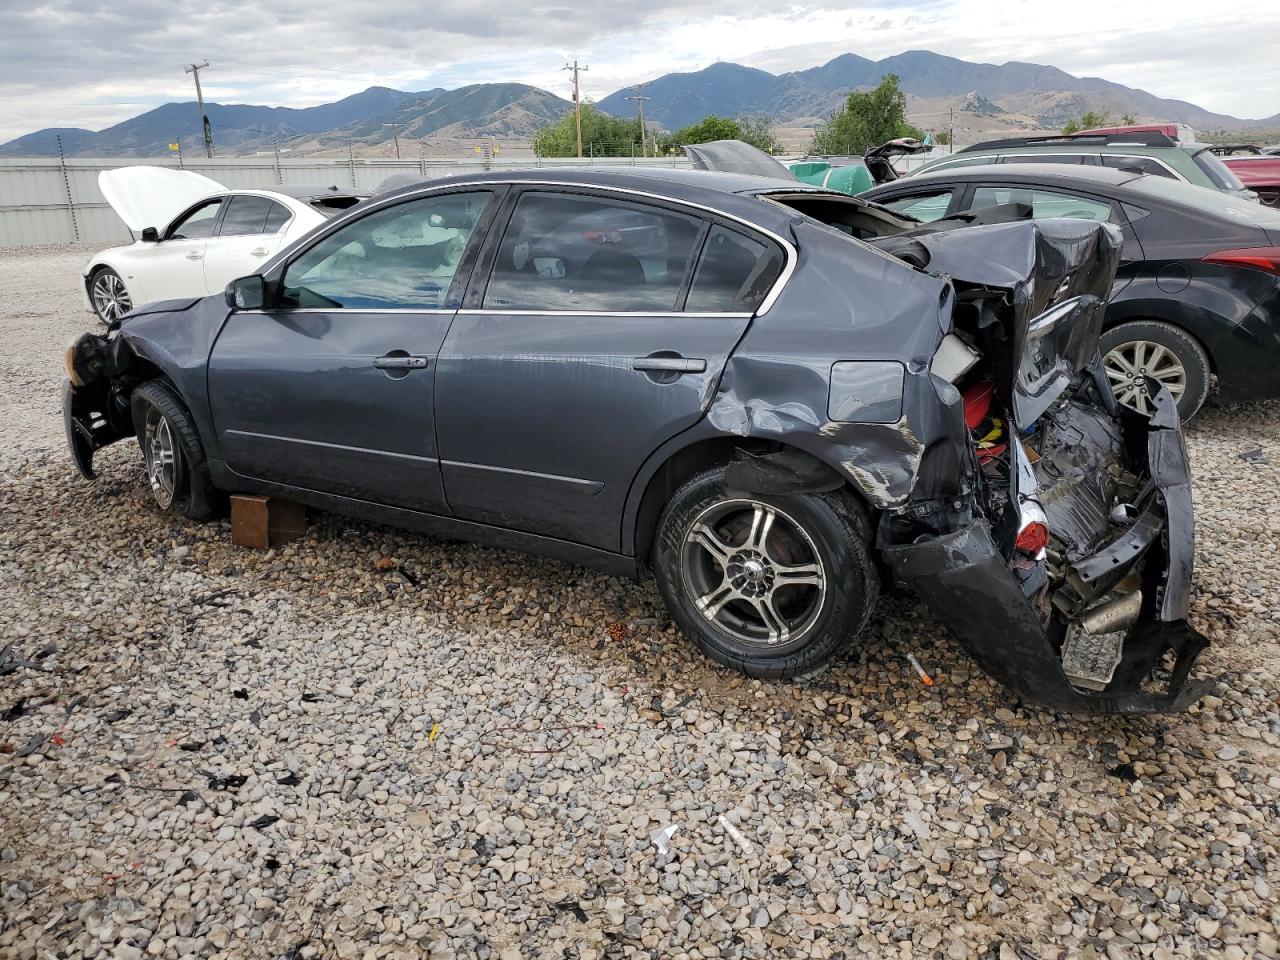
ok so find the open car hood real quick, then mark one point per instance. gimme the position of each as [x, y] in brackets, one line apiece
[153, 196]
[735, 156]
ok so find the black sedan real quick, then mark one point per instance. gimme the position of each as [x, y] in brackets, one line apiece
[1197, 295]
[762, 393]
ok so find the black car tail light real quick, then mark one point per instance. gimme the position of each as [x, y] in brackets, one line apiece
[1258, 258]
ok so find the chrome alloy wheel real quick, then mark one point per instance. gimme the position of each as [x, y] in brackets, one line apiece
[110, 298]
[1131, 365]
[753, 572]
[162, 458]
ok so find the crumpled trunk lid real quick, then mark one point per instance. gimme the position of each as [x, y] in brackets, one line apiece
[1039, 290]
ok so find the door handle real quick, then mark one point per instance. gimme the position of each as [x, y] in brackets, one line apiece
[669, 364]
[194, 255]
[259, 252]
[400, 363]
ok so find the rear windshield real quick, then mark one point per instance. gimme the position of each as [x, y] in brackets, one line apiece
[1216, 170]
[1207, 201]
[332, 206]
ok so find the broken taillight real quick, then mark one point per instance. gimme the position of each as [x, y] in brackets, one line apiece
[1033, 538]
[1258, 258]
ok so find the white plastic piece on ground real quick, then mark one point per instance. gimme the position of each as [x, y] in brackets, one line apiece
[737, 836]
[662, 837]
[1090, 659]
[153, 196]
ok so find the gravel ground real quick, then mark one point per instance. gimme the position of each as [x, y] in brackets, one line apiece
[372, 744]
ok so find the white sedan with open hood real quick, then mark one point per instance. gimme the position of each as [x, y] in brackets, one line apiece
[195, 235]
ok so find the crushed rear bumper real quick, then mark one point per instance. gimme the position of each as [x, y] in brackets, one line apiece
[967, 582]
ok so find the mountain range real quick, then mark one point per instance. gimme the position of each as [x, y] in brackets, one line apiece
[986, 97]
[1030, 93]
[375, 115]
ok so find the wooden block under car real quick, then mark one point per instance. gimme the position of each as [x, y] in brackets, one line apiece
[262, 522]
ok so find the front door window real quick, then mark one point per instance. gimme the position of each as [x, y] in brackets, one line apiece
[404, 257]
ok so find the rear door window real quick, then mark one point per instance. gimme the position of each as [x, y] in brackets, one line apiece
[245, 216]
[1044, 203]
[735, 273]
[574, 253]
[926, 207]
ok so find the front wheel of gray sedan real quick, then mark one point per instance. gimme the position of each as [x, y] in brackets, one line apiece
[772, 586]
[177, 473]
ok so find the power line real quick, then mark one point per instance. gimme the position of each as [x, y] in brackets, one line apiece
[194, 70]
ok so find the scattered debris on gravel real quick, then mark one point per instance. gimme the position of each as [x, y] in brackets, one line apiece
[370, 744]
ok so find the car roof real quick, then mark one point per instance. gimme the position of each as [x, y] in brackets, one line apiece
[1134, 148]
[656, 179]
[732, 193]
[1045, 172]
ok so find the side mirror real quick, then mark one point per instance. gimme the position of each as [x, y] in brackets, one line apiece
[150, 235]
[247, 293]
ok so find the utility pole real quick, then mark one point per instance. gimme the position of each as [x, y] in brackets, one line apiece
[194, 70]
[951, 133]
[577, 101]
[396, 136]
[639, 101]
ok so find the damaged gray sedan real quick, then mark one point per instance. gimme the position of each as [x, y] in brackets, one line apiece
[771, 398]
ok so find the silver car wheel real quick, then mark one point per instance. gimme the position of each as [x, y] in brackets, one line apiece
[753, 572]
[161, 457]
[110, 298]
[1131, 365]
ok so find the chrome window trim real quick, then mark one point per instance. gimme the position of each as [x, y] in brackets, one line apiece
[788, 248]
[473, 311]
[445, 311]
[432, 310]
[1123, 156]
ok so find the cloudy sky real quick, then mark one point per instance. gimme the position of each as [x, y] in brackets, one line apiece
[84, 63]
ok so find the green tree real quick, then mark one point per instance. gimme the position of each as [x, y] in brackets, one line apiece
[942, 139]
[1087, 121]
[757, 131]
[603, 135]
[706, 130]
[868, 119]
[1128, 120]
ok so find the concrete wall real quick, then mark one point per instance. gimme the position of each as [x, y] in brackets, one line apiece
[45, 200]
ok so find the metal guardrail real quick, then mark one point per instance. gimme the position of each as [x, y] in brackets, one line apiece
[54, 200]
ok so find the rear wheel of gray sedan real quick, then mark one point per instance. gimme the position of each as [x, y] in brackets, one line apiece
[176, 469]
[111, 299]
[772, 586]
[1139, 351]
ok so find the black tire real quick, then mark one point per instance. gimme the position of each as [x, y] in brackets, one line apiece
[833, 530]
[158, 413]
[110, 297]
[1119, 343]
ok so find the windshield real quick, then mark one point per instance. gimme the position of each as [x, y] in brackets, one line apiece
[1207, 201]
[1217, 171]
